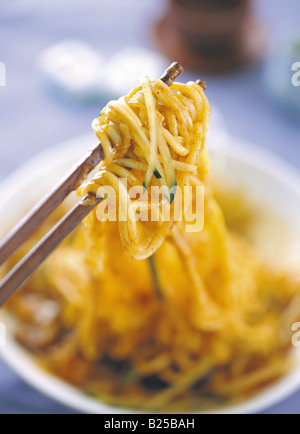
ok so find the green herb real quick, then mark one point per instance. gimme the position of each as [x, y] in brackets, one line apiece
[157, 174]
[155, 278]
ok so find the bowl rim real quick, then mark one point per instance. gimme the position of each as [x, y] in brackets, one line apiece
[24, 365]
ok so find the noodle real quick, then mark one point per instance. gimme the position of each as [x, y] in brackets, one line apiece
[158, 155]
[196, 326]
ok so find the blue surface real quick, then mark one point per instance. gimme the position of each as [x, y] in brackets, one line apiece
[31, 119]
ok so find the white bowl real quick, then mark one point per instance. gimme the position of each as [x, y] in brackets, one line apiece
[266, 178]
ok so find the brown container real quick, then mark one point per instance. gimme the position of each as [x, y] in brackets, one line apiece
[211, 36]
[209, 5]
[211, 21]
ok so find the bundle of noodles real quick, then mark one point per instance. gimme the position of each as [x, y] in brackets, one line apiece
[152, 137]
[203, 321]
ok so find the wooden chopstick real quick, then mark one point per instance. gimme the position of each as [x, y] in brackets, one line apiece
[47, 245]
[33, 220]
[28, 265]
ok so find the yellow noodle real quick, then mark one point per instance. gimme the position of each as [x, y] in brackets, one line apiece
[149, 315]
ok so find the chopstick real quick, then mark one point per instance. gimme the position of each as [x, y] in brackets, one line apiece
[26, 267]
[22, 231]
[32, 221]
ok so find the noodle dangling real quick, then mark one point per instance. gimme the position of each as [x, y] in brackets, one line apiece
[149, 315]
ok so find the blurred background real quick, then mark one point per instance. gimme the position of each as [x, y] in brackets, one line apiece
[64, 60]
